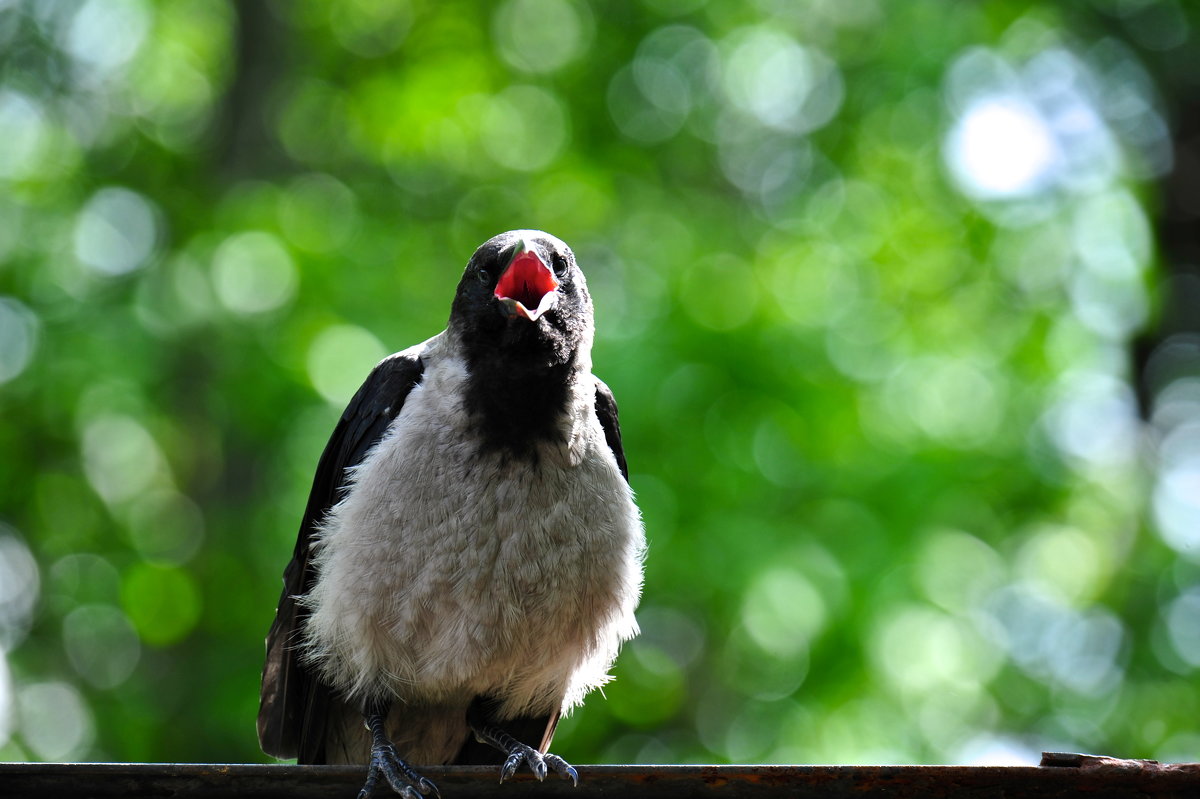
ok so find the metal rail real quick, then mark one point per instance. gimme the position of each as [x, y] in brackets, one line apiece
[1059, 775]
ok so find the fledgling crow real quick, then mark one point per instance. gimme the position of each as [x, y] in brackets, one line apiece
[471, 555]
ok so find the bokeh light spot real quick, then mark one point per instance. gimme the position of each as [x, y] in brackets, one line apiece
[1183, 625]
[165, 527]
[1002, 148]
[121, 459]
[957, 571]
[253, 273]
[540, 36]
[101, 644]
[24, 131]
[1095, 419]
[1063, 562]
[54, 721]
[105, 34]
[783, 612]
[525, 128]
[318, 213]
[370, 28]
[339, 357]
[18, 337]
[920, 649]
[781, 83]
[1176, 504]
[19, 582]
[116, 231]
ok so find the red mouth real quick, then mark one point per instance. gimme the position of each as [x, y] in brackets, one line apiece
[527, 287]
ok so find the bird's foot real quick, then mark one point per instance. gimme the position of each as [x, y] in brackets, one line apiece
[518, 753]
[385, 762]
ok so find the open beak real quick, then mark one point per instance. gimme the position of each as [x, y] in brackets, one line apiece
[527, 289]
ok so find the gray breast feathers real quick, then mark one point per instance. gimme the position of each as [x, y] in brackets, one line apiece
[449, 572]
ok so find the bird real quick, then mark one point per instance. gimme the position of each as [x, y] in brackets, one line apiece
[470, 558]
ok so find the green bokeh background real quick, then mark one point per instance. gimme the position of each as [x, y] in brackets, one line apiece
[870, 343]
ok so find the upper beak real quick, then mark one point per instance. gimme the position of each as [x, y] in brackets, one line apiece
[528, 287]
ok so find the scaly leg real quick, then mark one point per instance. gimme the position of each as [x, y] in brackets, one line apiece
[517, 753]
[385, 761]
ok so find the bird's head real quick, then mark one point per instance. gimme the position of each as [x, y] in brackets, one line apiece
[523, 294]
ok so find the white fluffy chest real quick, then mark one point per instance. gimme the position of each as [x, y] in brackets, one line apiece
[450, 572]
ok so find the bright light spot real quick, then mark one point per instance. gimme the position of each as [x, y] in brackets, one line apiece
[957, 401]
[1112, 306]
[253, 273]
[19, 581]
[783, 612]
[957, 571]
[54, 721]
[674, 70]
[121, 459]
[1002, 147]
[1176, 416]
[779, 82]
[18, 337]
[172, 95]
[672, 631]
[1095, 420]
[101, 644]
[6, 701]
[23, 130]
[370, 28]
[318, 213]
[987, 750]
[637, 116]
[105, 34]
[116, 231]
[775, 452]
[541, 36]
[525, 128]
[1112, 236]
[165, 527]
[809, 280]
[1183, 625]
[1064, 563]
[764, 166]
[1176, 504]
[921, 649]
[1059, 646]
[339, 359]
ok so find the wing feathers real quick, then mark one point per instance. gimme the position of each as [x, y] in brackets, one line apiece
[606, 409]
[293, 704]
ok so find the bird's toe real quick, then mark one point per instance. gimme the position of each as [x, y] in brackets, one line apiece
[562, 767]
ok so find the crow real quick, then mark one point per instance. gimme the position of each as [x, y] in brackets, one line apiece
[470, 557]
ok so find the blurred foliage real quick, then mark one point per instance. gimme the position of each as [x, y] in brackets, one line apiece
[866, 278]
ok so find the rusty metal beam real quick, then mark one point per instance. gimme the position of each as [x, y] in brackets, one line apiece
[1060, 775]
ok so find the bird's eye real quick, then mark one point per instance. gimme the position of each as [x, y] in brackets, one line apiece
[483, 275]
[559, 263]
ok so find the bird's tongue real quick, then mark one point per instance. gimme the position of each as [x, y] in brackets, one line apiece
[527, 287]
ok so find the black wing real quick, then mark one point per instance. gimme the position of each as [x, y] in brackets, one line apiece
[294, 704]
[540, 729]
[606, 409]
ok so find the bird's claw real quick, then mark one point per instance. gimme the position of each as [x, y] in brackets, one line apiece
[399, 775]
[538, 763]
[427, 788]
[562, 767]
[522, 753]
